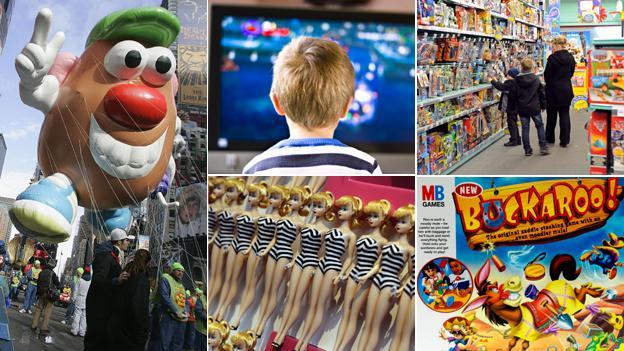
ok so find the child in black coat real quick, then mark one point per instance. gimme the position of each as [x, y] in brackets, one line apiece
[509, 104]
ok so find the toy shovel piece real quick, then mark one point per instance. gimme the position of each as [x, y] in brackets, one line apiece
[563, 320]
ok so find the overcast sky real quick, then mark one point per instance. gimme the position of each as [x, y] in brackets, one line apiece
[19, 123]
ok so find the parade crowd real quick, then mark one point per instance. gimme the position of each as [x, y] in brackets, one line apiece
[114, 303]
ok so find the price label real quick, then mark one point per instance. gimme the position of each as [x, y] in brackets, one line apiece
[498, 36]
[618, 111]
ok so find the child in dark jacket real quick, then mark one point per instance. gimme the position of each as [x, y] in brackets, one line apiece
[508, 104]
[531, 100]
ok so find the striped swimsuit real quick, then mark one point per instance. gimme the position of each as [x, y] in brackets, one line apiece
[245, 229]
[286, 234]
[392, 263]
[335, 247]
[367, 253]
[409, 287]
[212, 222]
[266, 231]
[310, 246]
[226, 230]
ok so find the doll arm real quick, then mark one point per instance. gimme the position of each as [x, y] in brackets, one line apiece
[296, 248]
[253, 240]
[271, 244]
[38, 88]
[349, 261]
[373, 270]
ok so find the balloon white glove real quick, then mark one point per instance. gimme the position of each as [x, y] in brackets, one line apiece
[37, 88]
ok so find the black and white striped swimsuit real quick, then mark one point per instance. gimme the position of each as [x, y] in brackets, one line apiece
[212, 222]
[367, 252]
[286, 234]
[245, 229]
[310, 246]
[335, 247]
[266, 231]
[409, 287]
[226, 230]
[392, 263]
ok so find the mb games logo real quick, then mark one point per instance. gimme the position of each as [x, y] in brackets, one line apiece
[433, 196]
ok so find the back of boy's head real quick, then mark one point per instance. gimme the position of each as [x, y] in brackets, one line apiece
[527, 65]
[313, 80]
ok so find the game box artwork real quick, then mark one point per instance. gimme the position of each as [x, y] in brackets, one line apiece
[520, 264]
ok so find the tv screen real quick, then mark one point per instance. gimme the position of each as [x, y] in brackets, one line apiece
[245, 42]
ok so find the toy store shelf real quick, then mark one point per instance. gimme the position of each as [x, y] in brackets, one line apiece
[465, 4]
[474, 152]
[455, 31]
[453, 95]
[529, 23]
[498, 15]
[457, 116]
[530, 5]
[605, 107]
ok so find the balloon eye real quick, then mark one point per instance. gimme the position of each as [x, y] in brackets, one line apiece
[163, 64]
[126, 60]
[133, 59]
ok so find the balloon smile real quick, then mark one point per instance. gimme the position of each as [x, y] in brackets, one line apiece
[121, 160]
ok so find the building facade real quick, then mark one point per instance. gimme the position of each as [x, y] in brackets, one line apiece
[6, 9]
[5, 221]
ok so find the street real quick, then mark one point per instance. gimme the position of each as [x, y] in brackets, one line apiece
[25, 340]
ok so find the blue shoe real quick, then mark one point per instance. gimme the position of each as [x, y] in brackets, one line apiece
[46, 209]
[107, 220]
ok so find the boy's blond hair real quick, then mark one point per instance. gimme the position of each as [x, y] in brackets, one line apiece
[527, 65]
[313, 80]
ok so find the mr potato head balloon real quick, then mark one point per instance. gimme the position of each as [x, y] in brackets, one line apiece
[110, 120]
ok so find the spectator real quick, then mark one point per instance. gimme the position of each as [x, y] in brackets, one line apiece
[70, 307]
[557, 75]
[107, 275]
[201, 319]
[189, 334]
[4, 286]
[47, 280]
[31, 290]
[508, 104]
[79, 300]
[16, 281]
[173, 309]
[531, 103]
[129, 323]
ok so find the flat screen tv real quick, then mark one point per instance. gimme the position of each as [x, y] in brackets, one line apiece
[244, 43]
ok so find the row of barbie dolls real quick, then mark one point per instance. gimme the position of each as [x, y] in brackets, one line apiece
[324, 244]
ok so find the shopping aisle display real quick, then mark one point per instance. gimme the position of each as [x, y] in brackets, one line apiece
[461, 47]
[275, 240]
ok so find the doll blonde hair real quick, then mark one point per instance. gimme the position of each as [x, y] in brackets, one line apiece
[324, 197]
[239, 184]
[380, 207]
[304, 193]
[405, 211]
[213, 183]
[219, 327]
[262, 189]
[246, 339]
[283, 192]
[355, 203]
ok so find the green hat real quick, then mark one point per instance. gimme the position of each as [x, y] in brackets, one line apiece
[80, 270]
[198, 291]
[177, 266]
[151, 25]
[188, 293]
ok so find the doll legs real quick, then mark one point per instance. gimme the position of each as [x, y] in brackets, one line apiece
[377, 306]
[403, 325]
[274, 276]
[228, 258]
[351, 309]
[216, 283]
[325, 287]
[298, 286]
[250, 287]
[234, 267]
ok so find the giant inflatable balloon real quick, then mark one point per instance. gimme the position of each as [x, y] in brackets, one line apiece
[110, 120]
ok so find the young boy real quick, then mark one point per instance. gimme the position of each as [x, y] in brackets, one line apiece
[508, 104]
[531, 100]
[313, 86]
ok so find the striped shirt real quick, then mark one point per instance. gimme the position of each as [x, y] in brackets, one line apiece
[321, 156]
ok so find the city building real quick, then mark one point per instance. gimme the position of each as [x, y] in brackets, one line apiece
[5, 221]
[3, 150]
[6, 9]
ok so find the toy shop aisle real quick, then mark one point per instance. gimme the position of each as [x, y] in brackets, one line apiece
[499, 159]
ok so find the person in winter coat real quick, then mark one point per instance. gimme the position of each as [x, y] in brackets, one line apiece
[31, 291]
[107, 276]
[531, 101]
[41, 318]
[557, 75]
[69, 314]
[129, 323]
[173, 309]
[508, 104]
[79, 299]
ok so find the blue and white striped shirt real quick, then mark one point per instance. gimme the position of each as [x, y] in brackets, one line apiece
[320, 156]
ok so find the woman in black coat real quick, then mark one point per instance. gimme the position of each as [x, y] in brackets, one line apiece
[128, 327]
[558, 75]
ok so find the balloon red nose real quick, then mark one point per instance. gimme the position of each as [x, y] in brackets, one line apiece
[135, 106]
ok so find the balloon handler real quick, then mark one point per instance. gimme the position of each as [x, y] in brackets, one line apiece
[110, 129]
